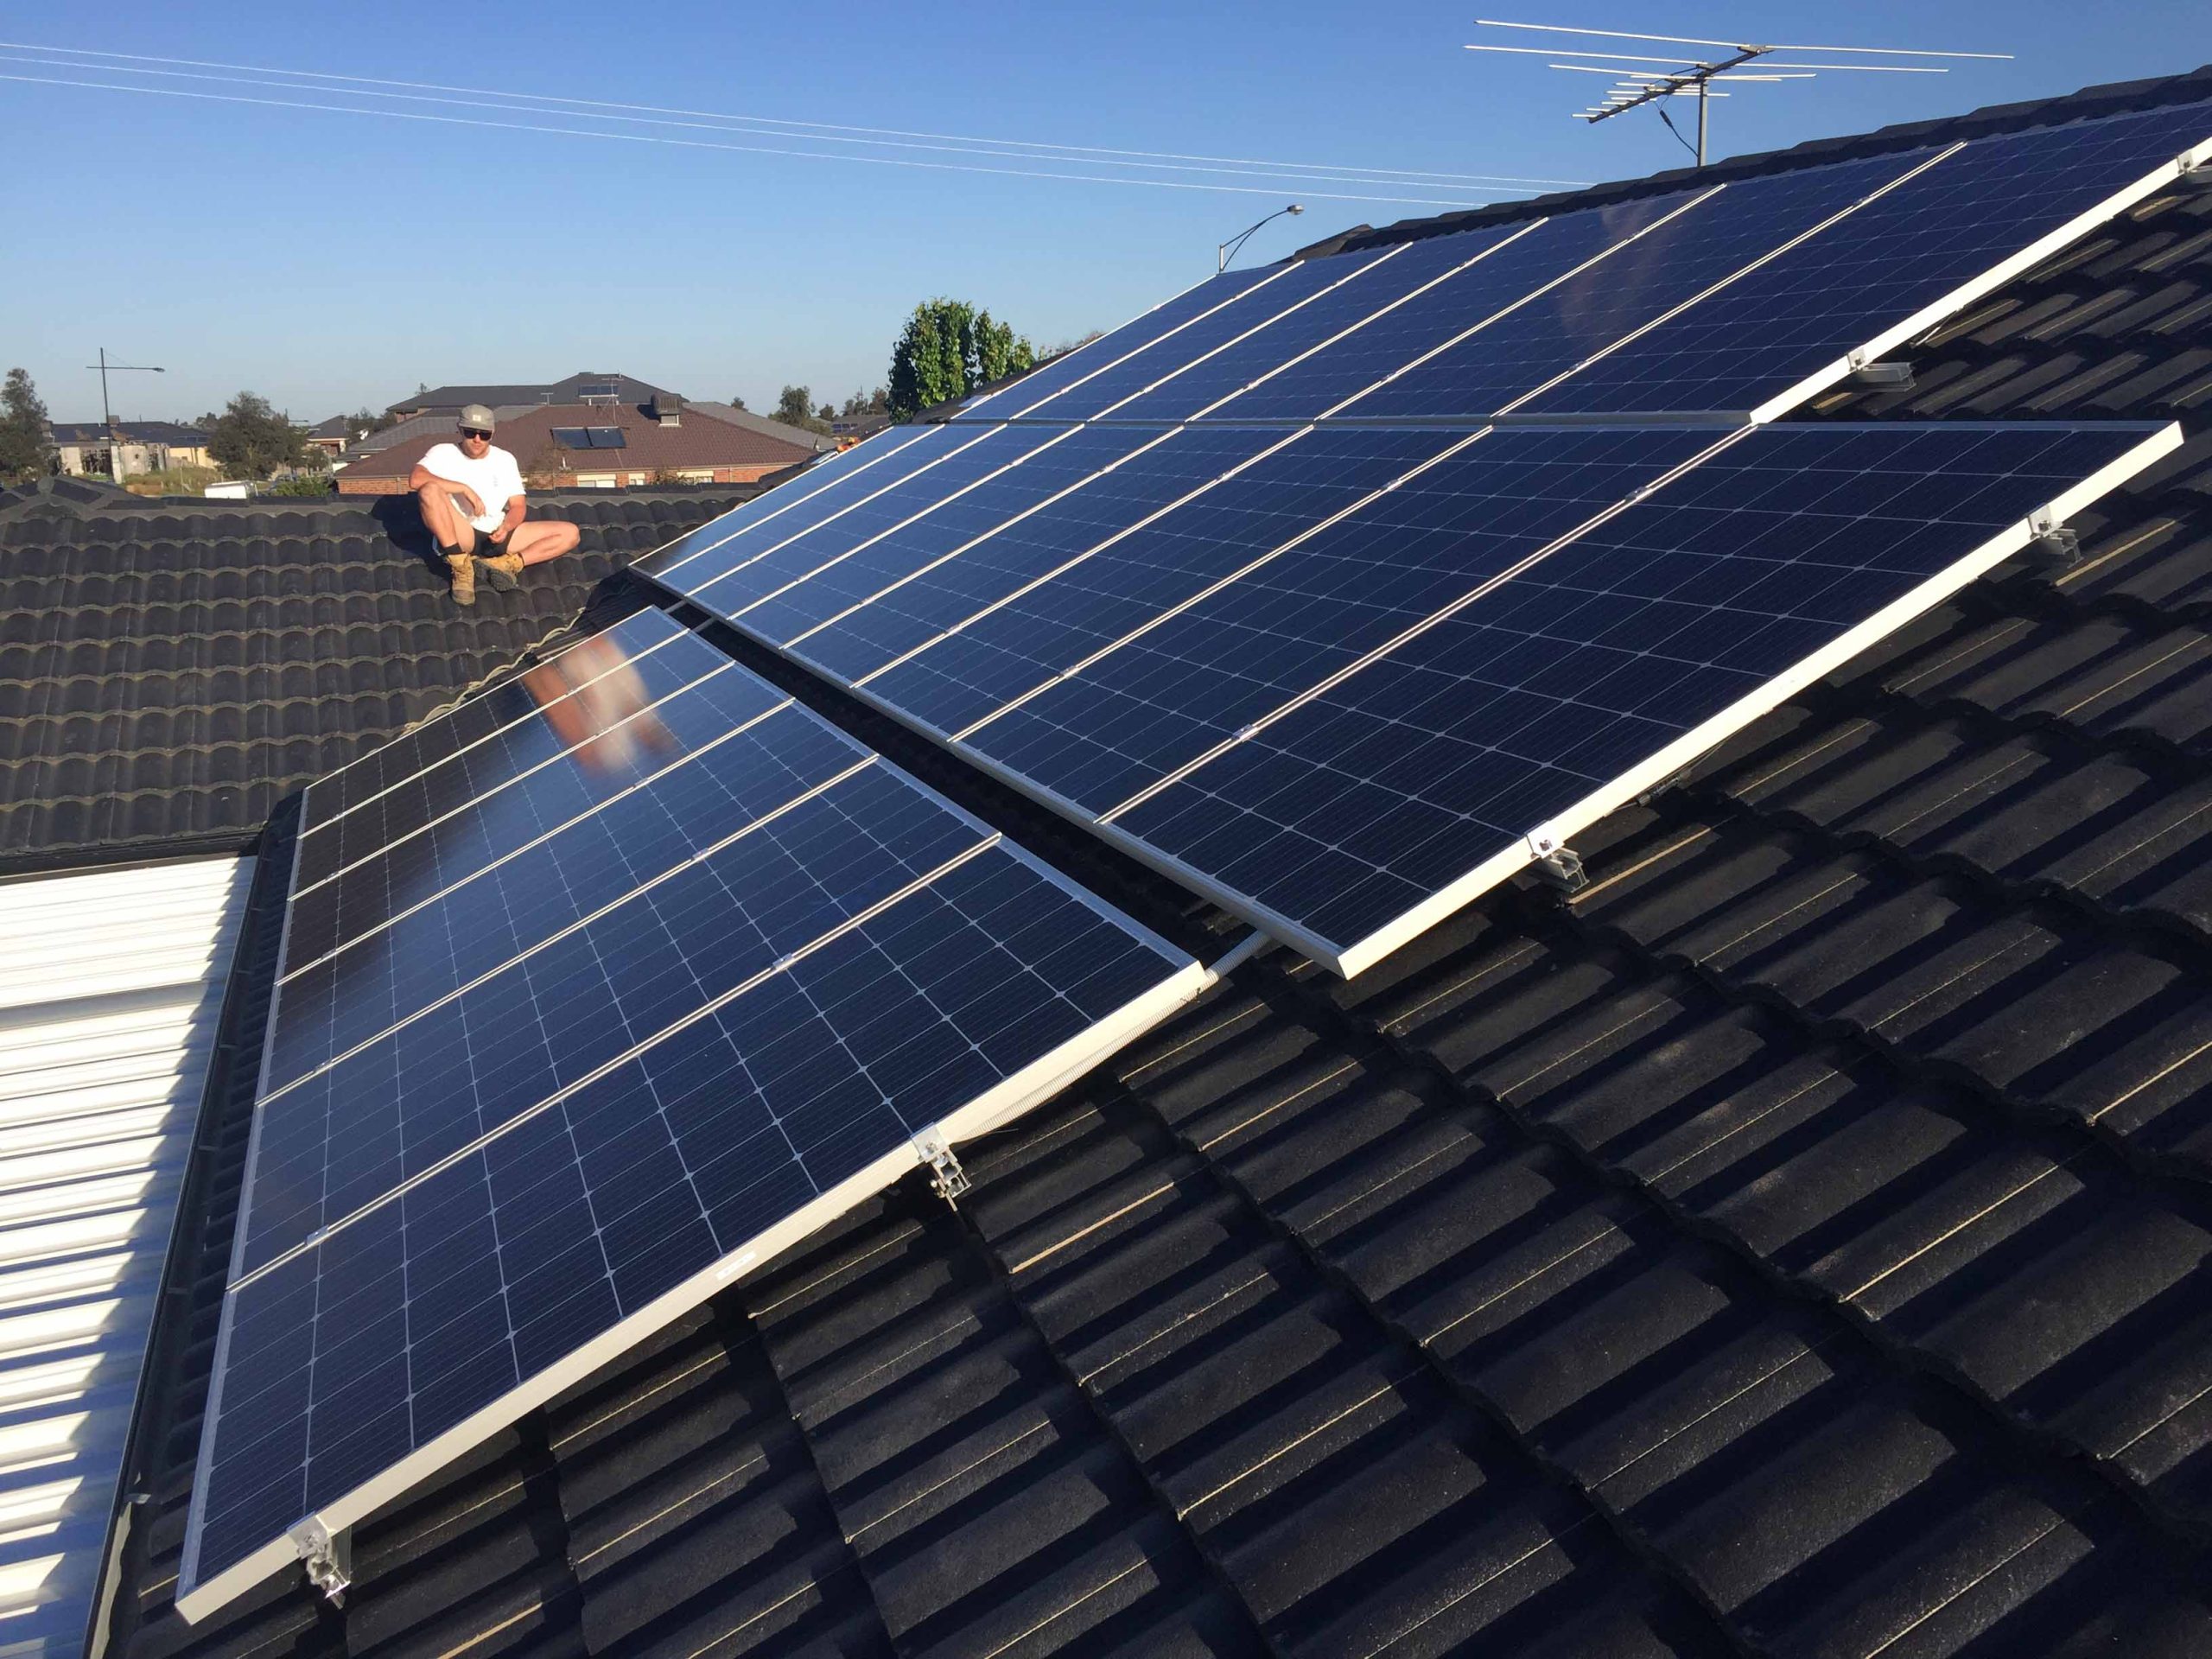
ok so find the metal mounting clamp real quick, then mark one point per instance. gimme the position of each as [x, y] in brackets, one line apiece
[2054, 544]
[328, 1557]
[947, 1180]
[1557, 862]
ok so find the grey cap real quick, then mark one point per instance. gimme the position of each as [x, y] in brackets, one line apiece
[478, 416]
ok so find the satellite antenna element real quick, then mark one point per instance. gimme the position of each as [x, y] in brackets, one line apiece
[1642, 78]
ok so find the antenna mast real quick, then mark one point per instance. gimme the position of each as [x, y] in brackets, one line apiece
[1636, 86]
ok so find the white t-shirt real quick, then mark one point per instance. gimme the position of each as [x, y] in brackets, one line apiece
[495, 479]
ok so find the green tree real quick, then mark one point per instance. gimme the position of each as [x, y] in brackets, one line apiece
[866, 403]
[251, 439]
[794, 407]
[948, 349]
[737, 402]
[23, 429]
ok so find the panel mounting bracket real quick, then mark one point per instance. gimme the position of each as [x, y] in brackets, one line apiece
[1557, 862]
[327, 1555]
[1889, 376]
[2055, 545]
[2191, 172]
[947, 1180]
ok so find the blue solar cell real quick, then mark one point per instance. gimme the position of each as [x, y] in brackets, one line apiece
[1027, 643]
[1675, 260]
[1098, 737]
[484, 902]
[1906, 249]
[597, 721]
[472, 722]
[1338, 287]
[1039, 465]
[1159, 333]
[1399, 781]
[768, 563]
[824, 488]
[1100, 394]
[401, 1100]
[1159, 469]
[521, 1253]
[1524, 262]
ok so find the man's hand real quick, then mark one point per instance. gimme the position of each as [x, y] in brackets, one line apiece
[498, 538]
[469, 498]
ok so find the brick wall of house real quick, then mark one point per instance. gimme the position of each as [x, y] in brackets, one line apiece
[349, 484]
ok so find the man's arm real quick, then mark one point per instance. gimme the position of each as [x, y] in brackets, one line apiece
[423, 478]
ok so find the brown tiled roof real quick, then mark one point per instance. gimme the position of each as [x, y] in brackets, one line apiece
[701, 441]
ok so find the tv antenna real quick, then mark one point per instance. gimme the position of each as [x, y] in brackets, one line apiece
[1642, 78]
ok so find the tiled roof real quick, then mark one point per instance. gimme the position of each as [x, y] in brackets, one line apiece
[554, 391]
[699, 441]
[133, 431]
[1800, 1241]
[438, 427]
[762, 424]
[170, 669]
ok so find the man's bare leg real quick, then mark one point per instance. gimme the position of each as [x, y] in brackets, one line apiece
[529, 544]
[548, 539]
[455, 538]
[448, 528]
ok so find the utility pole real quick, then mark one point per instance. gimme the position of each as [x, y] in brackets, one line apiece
[107, 415]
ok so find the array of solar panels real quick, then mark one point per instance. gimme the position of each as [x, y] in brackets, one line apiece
[589, 437]
[591, 992]
[1739, 299]
[1338, 590]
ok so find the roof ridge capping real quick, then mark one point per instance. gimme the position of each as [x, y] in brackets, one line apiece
[2116, 98]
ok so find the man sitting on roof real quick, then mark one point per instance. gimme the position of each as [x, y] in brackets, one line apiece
[471, 493]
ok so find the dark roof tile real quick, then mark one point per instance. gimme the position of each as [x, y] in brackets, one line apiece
[125, 626]
[1792, 1242]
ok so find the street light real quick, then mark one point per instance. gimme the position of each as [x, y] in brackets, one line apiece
[1227, 250]
[107, 416]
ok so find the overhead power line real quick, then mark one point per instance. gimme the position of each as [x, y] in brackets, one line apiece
[1093, 156]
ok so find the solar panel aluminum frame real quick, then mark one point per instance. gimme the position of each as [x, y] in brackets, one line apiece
[974, 412]
[310, 1538]
[1989, 282]
[794, 497]
[1541, 841]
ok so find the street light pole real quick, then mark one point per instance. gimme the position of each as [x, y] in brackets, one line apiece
[1227, 250]
[107, 415]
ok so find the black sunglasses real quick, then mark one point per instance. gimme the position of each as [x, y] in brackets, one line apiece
[471, 432]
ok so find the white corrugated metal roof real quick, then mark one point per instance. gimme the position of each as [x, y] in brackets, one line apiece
[110, 988]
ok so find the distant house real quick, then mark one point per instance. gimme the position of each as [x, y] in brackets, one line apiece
[583, 387]
[127, 449]
[334, 434]
[608, 447]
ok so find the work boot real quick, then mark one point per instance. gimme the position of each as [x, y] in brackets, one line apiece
[502, 571]
[461, 568]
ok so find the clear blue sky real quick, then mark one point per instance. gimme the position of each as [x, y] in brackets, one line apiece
[332, 260]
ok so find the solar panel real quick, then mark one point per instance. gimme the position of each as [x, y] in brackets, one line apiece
[1741, 298]
[1170, 320]
[674, 1032]
[1949, 234]
[572, 437]
[606, 437]
[510, 705]
[830, 483]
[1352, 737]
